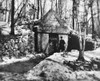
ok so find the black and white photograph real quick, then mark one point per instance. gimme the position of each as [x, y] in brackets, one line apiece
[49, 40]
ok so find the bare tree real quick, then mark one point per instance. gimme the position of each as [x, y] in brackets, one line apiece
[12, 16]
[82, 37]
[92, 18]
[98, 11]
[73, 13]
[60, 8]
[38, 8]
[43, 10]
[56, 5]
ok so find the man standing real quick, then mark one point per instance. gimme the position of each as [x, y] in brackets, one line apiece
[61, 45]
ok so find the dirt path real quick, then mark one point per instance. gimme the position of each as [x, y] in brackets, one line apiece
[21, 65]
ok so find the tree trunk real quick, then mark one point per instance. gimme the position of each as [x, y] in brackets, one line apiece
[43, 10]
[81, 51]
[38, 2]
[98, 11]
[41, 35]
[82, 38]
[73, 15]
[51, 4]
[81, 56]
[12, 17]
[56, 6]
[92, 21]
[60, 8]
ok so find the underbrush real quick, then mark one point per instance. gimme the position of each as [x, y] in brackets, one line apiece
[17, 46]
[93, 65]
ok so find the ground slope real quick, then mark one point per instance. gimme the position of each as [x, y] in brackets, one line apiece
[53, 69]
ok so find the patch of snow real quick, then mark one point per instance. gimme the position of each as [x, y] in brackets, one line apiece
[13, 59]
[97, 50]
[57, 57]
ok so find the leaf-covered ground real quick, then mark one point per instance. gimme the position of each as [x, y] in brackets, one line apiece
[54, 69]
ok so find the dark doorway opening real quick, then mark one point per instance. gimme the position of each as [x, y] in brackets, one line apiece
[54, 40]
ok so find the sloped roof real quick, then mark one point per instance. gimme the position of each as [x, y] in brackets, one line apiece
[47, 16]
[52, 18]
[52, 22]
